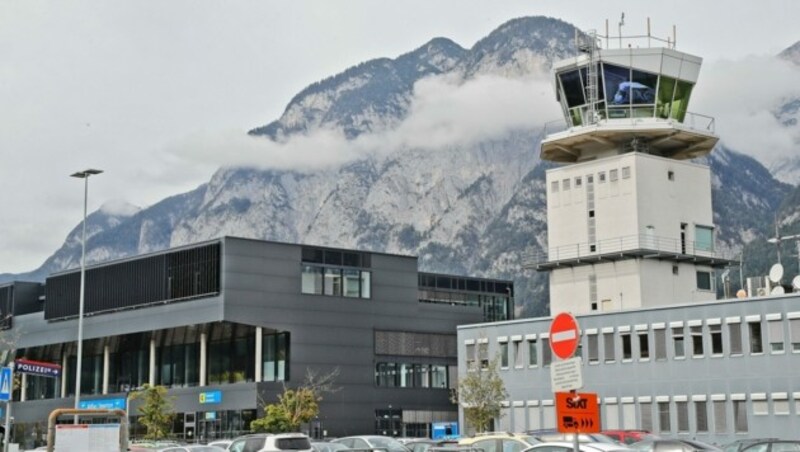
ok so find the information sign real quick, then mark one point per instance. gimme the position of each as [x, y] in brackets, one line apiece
[211, 397]
[566, 375]
[577, 412]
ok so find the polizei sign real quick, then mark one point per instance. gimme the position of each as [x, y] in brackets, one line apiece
[41, 369]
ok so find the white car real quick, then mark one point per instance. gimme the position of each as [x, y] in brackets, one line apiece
[386, 443]
[563, 446]
[266, 442]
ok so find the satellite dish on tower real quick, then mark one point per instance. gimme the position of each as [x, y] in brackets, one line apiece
[796, 282]
[777, 290]
[776, 273]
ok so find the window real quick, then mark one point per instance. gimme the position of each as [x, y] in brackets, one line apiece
[483, 355]
[311, 280]
[697, 340]
[594, 353]
[470, 356]
[352, 283]
[626, 172]
[518, 354]
[578, 182]
[775, 328]
[705, 281]
[756, 346]
[504, 355]
[760, 407]
[335, 281]
[613, 175]
[608, 347]
[565, 184]
[678, 344]
[682, 409]
[644, 345]
[735, 338]
[794, 332]
[670, 175]
[547, 354]
[532, 355]
[601, 177]
[661, 344]
[703, 238]
[646, 416]
[716, 339]
[554, 186]
[663, 417]
[720, 417]
[740, 416]
[701, 416]
[589, 179]
[627, 348]
[780, 404]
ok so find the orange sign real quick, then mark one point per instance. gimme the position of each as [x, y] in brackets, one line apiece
[577, 412]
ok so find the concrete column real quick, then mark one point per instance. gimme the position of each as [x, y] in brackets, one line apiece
[203, 353]
[64, 376]
[259, 353]
[106, 367]
[23, 385]
[152, 379]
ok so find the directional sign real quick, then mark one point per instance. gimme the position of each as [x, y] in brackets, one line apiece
[564, 335]
[5, 384]
[577, 412]
[566, 375]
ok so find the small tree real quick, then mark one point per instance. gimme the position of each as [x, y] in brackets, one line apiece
[480, 393]
[297, 406]
[156, 411]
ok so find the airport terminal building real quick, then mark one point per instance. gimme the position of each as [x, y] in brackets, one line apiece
[226, 323]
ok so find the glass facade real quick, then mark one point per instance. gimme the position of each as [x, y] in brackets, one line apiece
[411, 375]
[623, 92]
[275, 354]
[335, 281]
[495, 297]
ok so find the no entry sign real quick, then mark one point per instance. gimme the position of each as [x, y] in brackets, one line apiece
[564, 335]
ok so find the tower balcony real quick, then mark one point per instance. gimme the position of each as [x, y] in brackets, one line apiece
[640, 246]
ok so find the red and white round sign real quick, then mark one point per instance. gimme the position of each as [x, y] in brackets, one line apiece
[564, 335]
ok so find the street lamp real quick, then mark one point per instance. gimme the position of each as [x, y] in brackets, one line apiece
[78, 368]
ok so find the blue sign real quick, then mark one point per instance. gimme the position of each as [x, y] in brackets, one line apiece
[5, 384]
[445, 430]
[103, 404]
[211, 397]
[211, 415]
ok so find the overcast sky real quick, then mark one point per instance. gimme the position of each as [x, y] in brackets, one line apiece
[130, 87]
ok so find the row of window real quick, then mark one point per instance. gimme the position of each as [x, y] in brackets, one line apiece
[694, 339]
[613, 176]
[411, 375]
[336, 281]
[720, 413]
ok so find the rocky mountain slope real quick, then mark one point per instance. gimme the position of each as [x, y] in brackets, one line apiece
[475, 208]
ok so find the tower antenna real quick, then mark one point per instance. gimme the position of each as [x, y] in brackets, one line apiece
[621, 23]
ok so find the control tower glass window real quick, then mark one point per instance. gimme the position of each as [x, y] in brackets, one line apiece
[630, 93]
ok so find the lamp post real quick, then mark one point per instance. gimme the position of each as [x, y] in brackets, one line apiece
[78, 367]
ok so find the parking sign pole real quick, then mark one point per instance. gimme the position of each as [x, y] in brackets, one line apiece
[7, 436]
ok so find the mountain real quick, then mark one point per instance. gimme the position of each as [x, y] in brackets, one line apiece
[474, 208]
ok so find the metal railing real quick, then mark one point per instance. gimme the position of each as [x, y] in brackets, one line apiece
[640, 242]
[692, 121]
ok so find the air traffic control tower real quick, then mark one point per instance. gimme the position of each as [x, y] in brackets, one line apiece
[629, 217]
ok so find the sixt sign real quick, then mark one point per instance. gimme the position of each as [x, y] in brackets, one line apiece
[41, 369]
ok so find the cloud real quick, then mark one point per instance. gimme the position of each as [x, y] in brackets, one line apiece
[443, 112]
[744, 96]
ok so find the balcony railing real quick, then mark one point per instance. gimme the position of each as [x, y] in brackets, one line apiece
[692, 121]
[642, 245]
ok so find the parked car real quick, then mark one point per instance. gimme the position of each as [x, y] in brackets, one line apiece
[549, 436]
[564, 446]
[742, 443]
[265, 442]
[192, 448]
[327, 446]
[630, 436]
[773, 446]
[372, 442]
[421, 444]
[499, 442]
[674, 445]
[221, 443]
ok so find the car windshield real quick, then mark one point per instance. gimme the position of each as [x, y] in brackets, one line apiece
[293, 443]
[390, 444]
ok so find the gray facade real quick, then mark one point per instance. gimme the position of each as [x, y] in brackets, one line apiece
[714, 371]
[278, 311]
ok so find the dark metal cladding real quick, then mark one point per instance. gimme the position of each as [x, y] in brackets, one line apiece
[183, 274]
